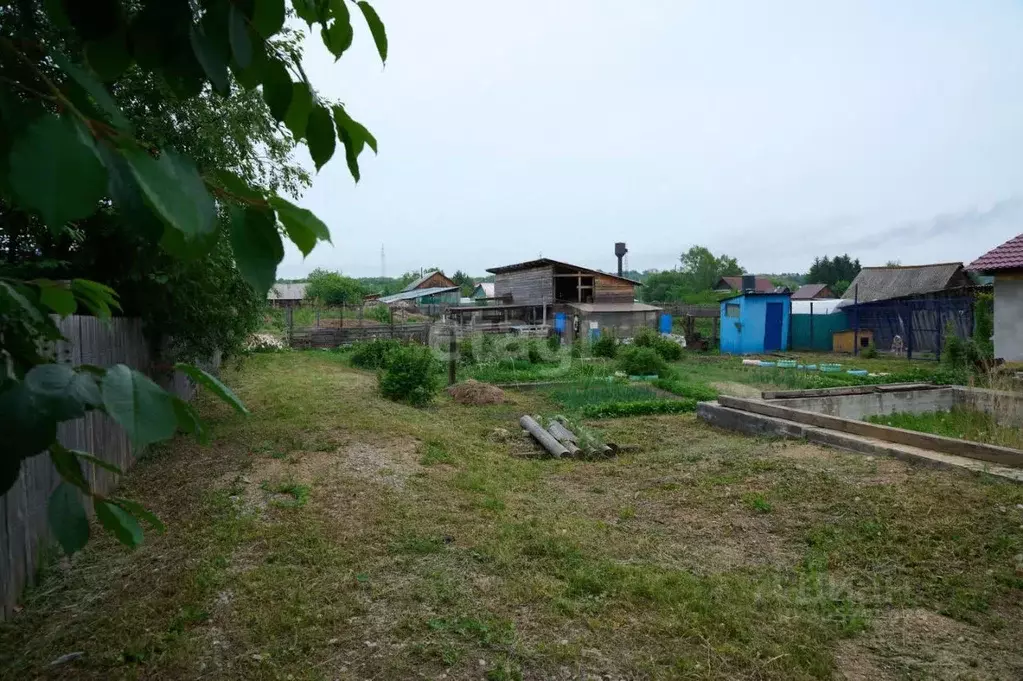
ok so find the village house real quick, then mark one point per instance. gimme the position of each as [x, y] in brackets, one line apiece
[1005, 263]
[813, 292]
[431, 294]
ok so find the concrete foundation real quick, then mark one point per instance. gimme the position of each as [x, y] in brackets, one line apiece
[863, 405]
[759, 424]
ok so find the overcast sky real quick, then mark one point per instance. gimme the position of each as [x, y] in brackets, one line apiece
[771, 131]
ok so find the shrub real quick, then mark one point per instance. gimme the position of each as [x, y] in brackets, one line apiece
[644, 338]
[373, 354]
[512, 346]
[577, 349]
[642, 362]
[870, 352]
[610, 410]
[554, 343]
[466, 353]
[605, 346]
[668, 349]
[957, 354]
[533, 353]
[695, 391]
[411, 375]
[380, 313]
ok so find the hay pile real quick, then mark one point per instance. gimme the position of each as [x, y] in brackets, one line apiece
[474, 392]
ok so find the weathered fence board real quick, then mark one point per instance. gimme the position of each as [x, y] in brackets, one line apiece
[23, 525]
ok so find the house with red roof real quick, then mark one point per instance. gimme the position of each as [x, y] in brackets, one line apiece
[1005, 264]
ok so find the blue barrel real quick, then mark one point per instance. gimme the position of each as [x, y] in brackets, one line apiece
[559, 322]
[665, 323]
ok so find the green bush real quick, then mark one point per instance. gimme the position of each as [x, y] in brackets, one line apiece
[642, 362]
[668, 349]
[577, 349]
[373, 354]
[487, 346]
[959, 355]
[533, 353]
[512, 346]
[605, 346]
[466, 353]
[611, 410]
[870, 352]
[695, 391]
[554, 343]
[380, 313]
[411, 375]
[645, 338]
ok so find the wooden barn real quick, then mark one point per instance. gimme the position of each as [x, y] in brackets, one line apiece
[560, 294]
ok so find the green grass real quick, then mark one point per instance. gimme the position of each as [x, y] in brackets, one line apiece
[578, 395]
[965, 424]
[663, 562]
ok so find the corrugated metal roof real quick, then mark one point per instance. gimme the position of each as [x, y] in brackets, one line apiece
[614, 307]
[882, 283]
[546, 262]
[808, 291]
[286, 292]
[1008, 256]
[417, 293]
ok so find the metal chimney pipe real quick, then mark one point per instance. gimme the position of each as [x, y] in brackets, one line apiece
[620, 251]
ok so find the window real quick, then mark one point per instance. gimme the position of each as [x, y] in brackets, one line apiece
[732, 310]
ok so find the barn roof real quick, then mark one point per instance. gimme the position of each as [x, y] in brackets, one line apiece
[419, 282]
[882, 283]
[286, 292]
[1008, 256]
[808, 291]
[547, 262]
[486, 287]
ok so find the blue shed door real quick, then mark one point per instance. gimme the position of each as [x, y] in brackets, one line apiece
[772, 327]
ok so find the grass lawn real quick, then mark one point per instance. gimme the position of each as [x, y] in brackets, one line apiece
[335, 535]
[965, 424]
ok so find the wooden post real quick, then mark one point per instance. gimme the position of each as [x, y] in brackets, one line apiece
[856, 322]
[937, 343]
[317, 316]
[452, 350]
[716, 340]
[289, 316]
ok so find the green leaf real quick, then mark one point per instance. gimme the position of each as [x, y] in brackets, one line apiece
[338, 36]
[302, 226]
[63, 393]
[212, 61]
[237, 187]
[140, 406]
[21, 301]
[109, 56]
[141, 512]
[57, 296]
[298, 112]
[118, 522]
[27, 426]
[67, 465]
[93, 88]
[376, 27]
[100, 299]
[213, 384]
[268, 17]
[105, 465]
[67, 518]
[277, 88]
[173, 188]
[257, 246]
[54, 170]
[320, 135]
[188, 420]
[356, 129]
[124, 190]
[238, 34]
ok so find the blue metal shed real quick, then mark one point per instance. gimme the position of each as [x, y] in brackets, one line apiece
[753, 323]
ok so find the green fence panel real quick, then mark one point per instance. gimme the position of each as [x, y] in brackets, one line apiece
[821, 327]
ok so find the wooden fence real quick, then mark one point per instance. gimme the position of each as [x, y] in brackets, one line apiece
[24, 534]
